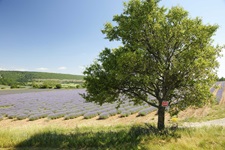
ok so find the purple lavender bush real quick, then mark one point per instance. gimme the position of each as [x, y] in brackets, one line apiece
[146, 111]
[90, 115]
[125, 114]
[73, 115]
[104, 115]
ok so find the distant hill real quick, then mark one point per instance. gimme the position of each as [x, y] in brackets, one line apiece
[14, 77]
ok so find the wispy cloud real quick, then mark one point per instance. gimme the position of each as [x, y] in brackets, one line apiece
[2, 69]
[21, 69]
[42, 69]
[14, 69]
[62, 68]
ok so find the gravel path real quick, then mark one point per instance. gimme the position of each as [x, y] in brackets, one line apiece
[217, 122]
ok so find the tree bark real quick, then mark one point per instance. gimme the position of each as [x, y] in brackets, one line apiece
[161, 118]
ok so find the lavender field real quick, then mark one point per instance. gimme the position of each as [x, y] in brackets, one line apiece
[68, 104]
[218, 90]
[219, 94]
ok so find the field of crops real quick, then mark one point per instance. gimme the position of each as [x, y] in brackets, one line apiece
[219, 91]
[61, 103]
[68, 104]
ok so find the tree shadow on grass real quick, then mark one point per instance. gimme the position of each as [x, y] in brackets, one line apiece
[121, 138]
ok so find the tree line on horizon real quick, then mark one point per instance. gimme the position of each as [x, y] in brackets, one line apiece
[15, 78]
[221, 79]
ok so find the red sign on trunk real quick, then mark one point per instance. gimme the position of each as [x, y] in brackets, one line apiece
[165, 103]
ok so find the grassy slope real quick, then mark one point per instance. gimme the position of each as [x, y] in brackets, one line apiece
[24, 75]
[205, 113]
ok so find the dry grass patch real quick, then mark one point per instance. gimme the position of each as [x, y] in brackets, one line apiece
[195, 112]
[205, 113]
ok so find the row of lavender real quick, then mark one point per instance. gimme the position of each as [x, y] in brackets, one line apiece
[220, 86]
[64, 103]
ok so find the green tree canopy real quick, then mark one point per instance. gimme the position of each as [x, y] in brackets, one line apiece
[164, 53]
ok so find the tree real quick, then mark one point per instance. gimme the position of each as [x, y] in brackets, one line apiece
[221, 79]
[164, 54]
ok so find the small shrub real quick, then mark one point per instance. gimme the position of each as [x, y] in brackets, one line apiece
[113, 112]
[44, 86]
[104, 115]
[73, 115]
[35, 85]
[90, 115]
[50, 84]
[146, 111]
[120, 110]
[125, 114]
[14, 86]
[77, 86]
[58, 86]
[37, 116]
[43, 115]
[135, 110]
[21, 117]
[34, 117]
[55, 116]
[11, 116]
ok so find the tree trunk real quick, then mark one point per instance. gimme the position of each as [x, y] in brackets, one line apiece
[161, 118]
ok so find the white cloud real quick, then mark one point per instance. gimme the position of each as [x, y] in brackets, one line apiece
[3, 69]
[21, 69]
[42, 69]
[14, 69]
[62, 68]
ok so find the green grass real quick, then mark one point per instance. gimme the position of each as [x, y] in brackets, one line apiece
[217, 112]
[116, 137]
[205, 138]
[2, 87]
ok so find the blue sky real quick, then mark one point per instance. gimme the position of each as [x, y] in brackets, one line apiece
[64, 36]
